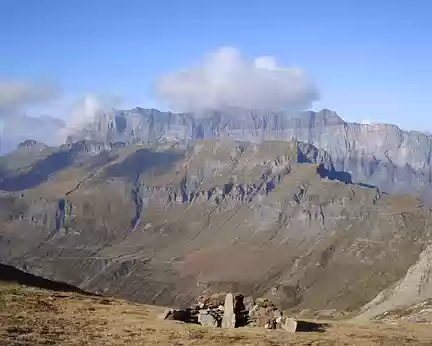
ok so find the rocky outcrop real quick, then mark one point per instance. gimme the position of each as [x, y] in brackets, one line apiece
[381, 155]
[31, 144]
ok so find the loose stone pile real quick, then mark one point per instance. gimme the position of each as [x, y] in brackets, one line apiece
[233, 310]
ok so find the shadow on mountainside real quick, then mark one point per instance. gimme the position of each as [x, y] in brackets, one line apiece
[141, 161]
[38, 173]
[14, 275]
[342, 176]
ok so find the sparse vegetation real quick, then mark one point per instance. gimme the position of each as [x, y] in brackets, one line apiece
[32, 316]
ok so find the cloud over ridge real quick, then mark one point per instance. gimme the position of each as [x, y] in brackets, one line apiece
[225, 78]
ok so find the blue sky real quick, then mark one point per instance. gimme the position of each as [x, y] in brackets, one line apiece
[369, 59]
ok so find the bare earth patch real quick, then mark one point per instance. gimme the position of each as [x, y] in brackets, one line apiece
[37, 317]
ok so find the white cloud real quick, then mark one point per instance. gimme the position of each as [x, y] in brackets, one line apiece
[16, 95]
[16, 98]
[226, 79]
[21, 104]
[85, 111]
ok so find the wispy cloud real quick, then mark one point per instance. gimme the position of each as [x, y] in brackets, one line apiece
[225, 78]
[16, 95]
[21, 101]
[85, 110]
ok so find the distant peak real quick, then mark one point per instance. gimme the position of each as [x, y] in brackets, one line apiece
[30, 143]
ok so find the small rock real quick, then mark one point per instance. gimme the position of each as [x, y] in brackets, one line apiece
[252, 310]
[270, 325]
[105, 301]
[277, 313]
[289, 324]
[264, 302]
[305, 312]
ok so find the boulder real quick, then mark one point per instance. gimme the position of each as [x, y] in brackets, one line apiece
[252, 310]
[167, 315]
[229, 317]
[178, 315]
[262, 316]
[269, 325]
[277, 313]
[289, 324]
[238, 304]
[211, 301]
[207, 319]
[248, 303]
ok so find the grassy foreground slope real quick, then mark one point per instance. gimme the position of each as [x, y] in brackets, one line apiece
[33, 316]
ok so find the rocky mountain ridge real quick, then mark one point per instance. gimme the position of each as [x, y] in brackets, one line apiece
[381, 155]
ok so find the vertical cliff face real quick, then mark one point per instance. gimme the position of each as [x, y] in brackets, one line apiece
[381, 155]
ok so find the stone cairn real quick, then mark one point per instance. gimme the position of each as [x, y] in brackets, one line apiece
[232, 310]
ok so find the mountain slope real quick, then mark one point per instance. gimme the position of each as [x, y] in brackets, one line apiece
[162, 224]
[9, 274]
[415, 287]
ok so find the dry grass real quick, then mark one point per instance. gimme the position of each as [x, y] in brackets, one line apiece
[36, 317]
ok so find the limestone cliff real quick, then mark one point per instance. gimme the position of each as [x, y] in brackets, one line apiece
[381, 155]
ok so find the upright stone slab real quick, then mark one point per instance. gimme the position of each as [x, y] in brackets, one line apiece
[229, 317]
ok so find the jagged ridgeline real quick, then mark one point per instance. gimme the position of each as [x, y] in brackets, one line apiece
[380, 155]
[165, 222]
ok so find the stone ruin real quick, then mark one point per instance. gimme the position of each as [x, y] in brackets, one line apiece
[234, 310]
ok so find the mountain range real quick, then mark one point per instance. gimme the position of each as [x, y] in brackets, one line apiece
[381, 155]
[161, 207]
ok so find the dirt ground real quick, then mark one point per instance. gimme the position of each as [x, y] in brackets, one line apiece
[31, 316]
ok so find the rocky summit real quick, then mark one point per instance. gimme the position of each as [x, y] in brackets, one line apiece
[165, 222]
